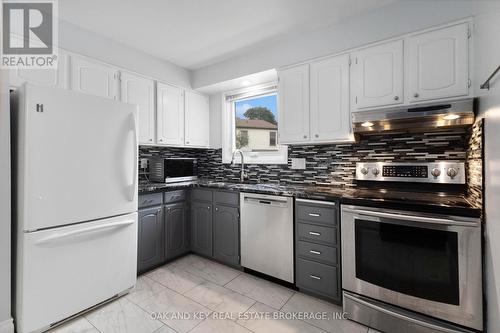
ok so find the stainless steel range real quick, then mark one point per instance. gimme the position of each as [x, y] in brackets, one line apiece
[412, 270]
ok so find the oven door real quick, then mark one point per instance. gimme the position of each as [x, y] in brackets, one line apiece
[423, 262]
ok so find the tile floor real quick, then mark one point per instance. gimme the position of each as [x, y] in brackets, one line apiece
[223, 299]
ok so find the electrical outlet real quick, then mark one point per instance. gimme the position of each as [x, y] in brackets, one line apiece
[144, 163]
[298, 163]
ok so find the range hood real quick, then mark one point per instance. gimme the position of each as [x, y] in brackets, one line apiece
[420, 117]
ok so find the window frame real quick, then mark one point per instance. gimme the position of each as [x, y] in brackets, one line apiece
[279, 156]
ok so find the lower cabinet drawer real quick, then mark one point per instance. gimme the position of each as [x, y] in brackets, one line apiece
[323, 253]
[317, 277]
[174, 196]
[316, 233]
[147, 200]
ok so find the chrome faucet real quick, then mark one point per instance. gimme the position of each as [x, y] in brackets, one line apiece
[243, 174]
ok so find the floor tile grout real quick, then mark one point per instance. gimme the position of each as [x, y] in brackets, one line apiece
[84, 317]
[288, 300]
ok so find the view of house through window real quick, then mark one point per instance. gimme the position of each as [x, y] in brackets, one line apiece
[256, 123]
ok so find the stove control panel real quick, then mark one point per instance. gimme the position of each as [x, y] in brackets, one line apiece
[433, 172]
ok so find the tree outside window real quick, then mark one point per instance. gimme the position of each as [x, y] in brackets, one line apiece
[256, 123]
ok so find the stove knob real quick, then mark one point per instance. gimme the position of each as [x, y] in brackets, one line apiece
[452, 172]
[436, 172]
[364, 171]
[375, 171]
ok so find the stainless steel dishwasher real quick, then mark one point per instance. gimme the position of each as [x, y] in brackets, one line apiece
[267, 234]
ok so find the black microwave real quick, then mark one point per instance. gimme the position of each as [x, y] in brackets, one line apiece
[170, 170]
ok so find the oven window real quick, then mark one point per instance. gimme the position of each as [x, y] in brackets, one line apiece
[414, 261]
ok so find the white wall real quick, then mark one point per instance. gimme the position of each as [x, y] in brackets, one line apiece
[487, 58]
[393, 20]
[78, 40]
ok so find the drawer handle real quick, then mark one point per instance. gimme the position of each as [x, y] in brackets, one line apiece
[315, 277]
[314, 233]
[314, 214]
[315, 252]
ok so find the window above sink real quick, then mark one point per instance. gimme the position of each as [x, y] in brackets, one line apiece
[250, 124]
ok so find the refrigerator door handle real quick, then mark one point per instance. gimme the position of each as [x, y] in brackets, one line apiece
[63, 235]
[136, 162]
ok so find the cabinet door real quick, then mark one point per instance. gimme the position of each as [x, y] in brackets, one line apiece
[293, 94]
[227, 235]
[377, 75]
[176, 231]
[150, 238]
[330, 113]
[140, 91]
[196, 120]
[93, 78]
[201, 228]
[438, 64]
[170, 115]
[57, 77]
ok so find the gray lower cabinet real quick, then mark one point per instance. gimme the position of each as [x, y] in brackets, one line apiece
[201, 228]
[226, 234]
[317, 248]
[176, 230]
[150, 238]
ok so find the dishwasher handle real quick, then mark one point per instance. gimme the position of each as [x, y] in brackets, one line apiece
[266, 202]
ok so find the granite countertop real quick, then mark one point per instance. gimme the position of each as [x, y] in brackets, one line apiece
[452, 204]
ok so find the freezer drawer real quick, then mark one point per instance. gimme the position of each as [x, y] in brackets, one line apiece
[63, 271]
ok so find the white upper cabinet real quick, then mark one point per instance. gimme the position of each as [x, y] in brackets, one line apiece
[293, 94]
[330, 113]
[94, 78]
[170, 115]
[196, 123]
[438, 64]
[377, 75]
[140, 91]
[57, 77]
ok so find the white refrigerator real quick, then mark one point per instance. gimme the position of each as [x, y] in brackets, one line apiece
[75, 193]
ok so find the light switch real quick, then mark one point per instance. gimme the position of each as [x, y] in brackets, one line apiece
[298, 163]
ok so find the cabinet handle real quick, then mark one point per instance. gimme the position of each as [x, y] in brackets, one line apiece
[150, 140]
[314, 214]
[208, 207]
[396, 98]
[314, 233]
[216, 209]
[315, 277]
[305, 136]
[187, 142]
[160, 140]
[315, 252]
[416, 95]
[317, 135]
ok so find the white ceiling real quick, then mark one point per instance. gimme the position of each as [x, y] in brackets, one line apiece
[198, 33]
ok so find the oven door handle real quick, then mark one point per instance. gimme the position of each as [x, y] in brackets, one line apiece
[413, 218]
[400, 316]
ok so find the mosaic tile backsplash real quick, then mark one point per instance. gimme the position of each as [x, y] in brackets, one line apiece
[335, 164]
